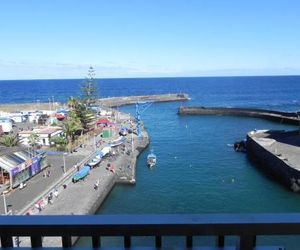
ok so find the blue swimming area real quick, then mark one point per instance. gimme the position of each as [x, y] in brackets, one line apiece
[197, 170]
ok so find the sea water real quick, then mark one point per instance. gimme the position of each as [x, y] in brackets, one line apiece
[197, 169]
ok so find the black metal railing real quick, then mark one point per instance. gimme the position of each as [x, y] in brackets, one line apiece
[245, 226]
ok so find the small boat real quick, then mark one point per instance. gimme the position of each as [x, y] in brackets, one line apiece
[81, 174]
[94, 162]
[151, 160]
[118, 141]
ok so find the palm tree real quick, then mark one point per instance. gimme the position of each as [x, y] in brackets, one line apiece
[70, 127]
[72, 102]
[9, 140]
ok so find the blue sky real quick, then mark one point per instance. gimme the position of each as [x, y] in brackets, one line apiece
[154, 38]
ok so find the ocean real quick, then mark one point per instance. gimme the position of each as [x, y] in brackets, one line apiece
[197, 169]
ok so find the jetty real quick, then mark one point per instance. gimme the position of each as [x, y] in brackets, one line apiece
[278, 153]
[109, 102]
[278, 116]
[128, 100]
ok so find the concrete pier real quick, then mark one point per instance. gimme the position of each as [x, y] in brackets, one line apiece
[278, 116]
[127, 100]
[278, 153]
[107, 102]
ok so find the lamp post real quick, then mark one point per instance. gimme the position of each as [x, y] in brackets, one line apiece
[95, 141]
[4, 204]
[49, 104]
[298, 115]
[64, 161]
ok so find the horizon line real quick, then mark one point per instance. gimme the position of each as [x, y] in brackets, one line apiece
[150, 77]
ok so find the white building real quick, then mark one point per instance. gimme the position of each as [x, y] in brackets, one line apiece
[44, 135]
[6, 124]
[18, 117]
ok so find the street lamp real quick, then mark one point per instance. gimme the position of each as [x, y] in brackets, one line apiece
[49, 104]
[298, 115]
[4, 203]
[64, 160]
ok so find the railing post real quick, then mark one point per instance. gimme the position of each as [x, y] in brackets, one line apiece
[6, 241]
[247, 242]
[158, 241]
[127, 241]
[66, 241]
[189, 241]
[96, 241]
[36, 241]
[220, 241]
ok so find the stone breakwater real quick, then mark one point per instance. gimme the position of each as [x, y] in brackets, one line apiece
[278, 116]
[278, 153]
[127, 100]
[107, 102]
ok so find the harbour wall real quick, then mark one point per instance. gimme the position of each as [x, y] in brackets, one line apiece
[278, 116]
[128, 100]
[107, 102]
[274, 164]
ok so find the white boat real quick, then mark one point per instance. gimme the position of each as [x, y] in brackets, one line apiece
[151, 160]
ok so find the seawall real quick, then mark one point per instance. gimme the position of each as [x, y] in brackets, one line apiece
[128, 100]
[278, 153]
[107, 102]
[278, 116]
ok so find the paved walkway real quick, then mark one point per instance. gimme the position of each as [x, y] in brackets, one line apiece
[18, 199]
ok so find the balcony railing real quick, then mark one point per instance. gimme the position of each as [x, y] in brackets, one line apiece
[245, 226]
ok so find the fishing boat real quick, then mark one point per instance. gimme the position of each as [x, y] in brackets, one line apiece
[81, 174]
[94, 162]
[151, 160]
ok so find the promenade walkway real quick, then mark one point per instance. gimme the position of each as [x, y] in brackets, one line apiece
[19, 200]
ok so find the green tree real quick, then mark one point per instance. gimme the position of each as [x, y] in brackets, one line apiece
[89, 89]
[86, 117]
[60, 142]
[71, 126]
[33, 140]
[9, 140]
[72, 102]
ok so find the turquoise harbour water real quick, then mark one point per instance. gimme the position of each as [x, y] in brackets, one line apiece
[197, 170]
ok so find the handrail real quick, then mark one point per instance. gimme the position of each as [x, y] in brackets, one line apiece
[245, 226]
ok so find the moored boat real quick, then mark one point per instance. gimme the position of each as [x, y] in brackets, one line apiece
[151, 160]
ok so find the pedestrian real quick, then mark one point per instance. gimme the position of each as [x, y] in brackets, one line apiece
[55, 192]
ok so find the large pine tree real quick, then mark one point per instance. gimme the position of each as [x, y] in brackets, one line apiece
[89, 91]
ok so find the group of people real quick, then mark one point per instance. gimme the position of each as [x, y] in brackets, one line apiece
[47, 173]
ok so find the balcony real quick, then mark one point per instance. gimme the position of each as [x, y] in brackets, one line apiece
[246, 227]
